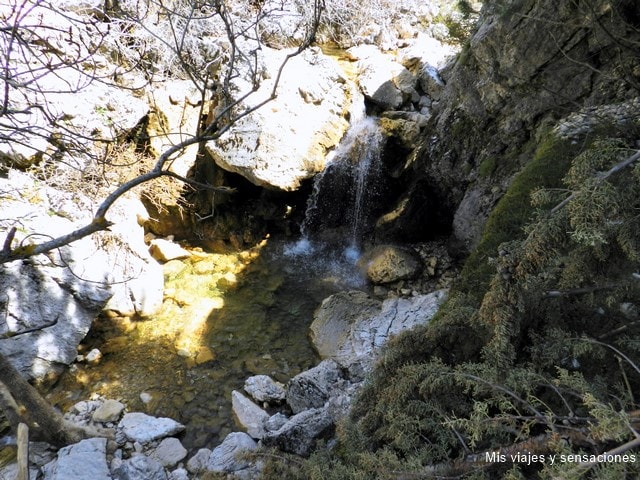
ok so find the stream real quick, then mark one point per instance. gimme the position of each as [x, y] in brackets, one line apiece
[224, 318]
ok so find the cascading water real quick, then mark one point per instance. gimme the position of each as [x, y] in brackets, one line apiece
[339, 209]
[364, 146]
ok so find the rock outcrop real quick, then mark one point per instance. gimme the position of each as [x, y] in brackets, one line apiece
[497, 99]
[356, 341]
[287, 141]
[50, 301]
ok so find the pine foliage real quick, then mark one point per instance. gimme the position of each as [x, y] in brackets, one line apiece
[547, 362]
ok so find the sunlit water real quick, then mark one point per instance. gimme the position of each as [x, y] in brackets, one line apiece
[224, 318]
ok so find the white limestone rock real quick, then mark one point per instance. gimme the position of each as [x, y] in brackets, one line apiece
[169, 452]
[143, 428]
[263, 388]
[225, 457]
[287, 141]
[355, 341]
[81, 461]
[109, 411]
[250, 416]
[139, 467]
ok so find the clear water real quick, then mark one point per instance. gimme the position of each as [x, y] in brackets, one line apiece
[250, 316]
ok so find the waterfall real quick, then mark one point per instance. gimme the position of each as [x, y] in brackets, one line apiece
[342, 193]
[340, 208]
[363, 147]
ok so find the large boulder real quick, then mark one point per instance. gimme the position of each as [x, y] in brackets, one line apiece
[389, 263]
[286, 141]
[50, 301]
[334, 317]
[357, 341]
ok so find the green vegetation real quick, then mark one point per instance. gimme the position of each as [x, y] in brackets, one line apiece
[535, 352]
[550, 162]
[487, 167]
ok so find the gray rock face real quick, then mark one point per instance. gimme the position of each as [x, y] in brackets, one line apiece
[224, 458]
[300, 433]
[249, 415]
[355, 343]
[143, 428]
[312, 388]
[285, 143]
[388, 263]
[139, 467]
[80, 461]
[169, 452]
[503, 92]
[263, 388]
[334, 317]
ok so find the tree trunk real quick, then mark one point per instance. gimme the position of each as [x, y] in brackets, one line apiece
[21, 402]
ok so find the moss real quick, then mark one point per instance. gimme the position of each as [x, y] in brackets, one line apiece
[550, 162]
[487, 167]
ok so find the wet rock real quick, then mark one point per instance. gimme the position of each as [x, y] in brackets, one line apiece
[143, 428]
[263, 388]
[80, 461]
[312, 389]
[109, 411]
[225, 457]
[389, 263]
[169, 452]
[249, 415]
[300, 433]
[139, 467]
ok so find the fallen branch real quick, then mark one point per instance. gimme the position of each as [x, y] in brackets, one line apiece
[577, 291]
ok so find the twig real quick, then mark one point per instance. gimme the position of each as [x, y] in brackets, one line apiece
[577, 291]
[6, 247]
[601, 178]
[616, 451]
